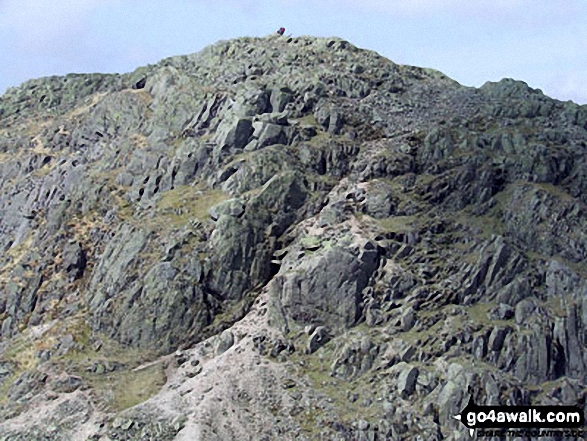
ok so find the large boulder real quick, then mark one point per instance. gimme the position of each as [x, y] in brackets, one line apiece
[324, 288]
[266, 134]
[233, 134]
[280, 97]
[241, 257]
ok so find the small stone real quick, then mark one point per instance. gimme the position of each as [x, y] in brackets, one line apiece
[52, 429]
[181, 357]
[67, 342]
[67, 383]
[178, 422]
[428, 409]
[363, 425]
[408, 319]
[231, 207]
[502, 312]
[44, 355]
[404, 251]
[497, 337]
[118, 422]
[406, 382]
[407, 353]
[194, 372]
[226, 342]
[308, 131]
[288, 383]
[319, 337]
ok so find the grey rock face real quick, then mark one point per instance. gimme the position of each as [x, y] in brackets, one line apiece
[430, 238]
[28, 384]
[329, 290]
[530, 224]
[497, 338]
[268, 134]
[241, 249]
[233, 135]
[74, 260]
[524, 309]
[110, 271]
[281, 97]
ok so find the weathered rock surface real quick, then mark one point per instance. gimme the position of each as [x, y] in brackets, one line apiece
[286, 238]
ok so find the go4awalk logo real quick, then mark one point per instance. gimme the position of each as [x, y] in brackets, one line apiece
[520, 417]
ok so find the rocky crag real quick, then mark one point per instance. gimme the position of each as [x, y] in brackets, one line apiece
[286, 238]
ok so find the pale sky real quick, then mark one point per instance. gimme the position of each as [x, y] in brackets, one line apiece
[541, 42]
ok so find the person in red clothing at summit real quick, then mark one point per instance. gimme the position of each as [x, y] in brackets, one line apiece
[281, 31]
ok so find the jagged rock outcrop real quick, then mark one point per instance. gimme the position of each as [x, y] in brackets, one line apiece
[286, 238]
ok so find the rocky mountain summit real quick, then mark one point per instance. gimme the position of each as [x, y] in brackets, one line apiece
[286, 238]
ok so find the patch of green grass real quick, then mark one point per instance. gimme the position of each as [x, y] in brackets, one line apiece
[5, 157]
[176, 207]
[309, 242]
[316, 369]
[320, 138]
[425, 179]
[5, 387]
[554, 190]
[121, 390]
[308, 120]
[19, 352]
[22, 353]
[125, 210]
[490, 223]
[117, 390]
[329, 180]
[479, 313]
[413, 336]
[397, 223]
